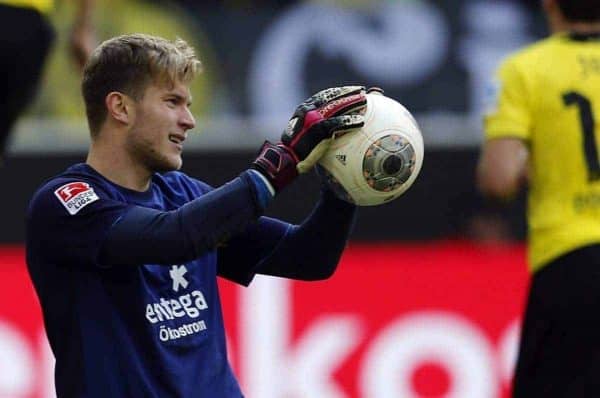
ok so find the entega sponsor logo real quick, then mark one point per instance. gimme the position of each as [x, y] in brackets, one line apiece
[167, 309]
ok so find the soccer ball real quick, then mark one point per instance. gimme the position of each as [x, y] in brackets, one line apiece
[379, 162]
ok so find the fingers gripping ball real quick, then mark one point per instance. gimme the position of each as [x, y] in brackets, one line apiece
[319, 118]
[331, 112]
[337, 127]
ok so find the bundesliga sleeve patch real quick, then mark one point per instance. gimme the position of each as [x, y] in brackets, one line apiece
[74, 196]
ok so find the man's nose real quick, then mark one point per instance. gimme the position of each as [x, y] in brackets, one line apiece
[187, 120]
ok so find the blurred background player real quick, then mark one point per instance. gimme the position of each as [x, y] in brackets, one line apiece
[542, 129]
[26, 37]
[124, 250]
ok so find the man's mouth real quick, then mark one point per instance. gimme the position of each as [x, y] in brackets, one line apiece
[176, 139]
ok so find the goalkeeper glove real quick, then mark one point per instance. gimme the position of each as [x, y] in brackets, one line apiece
[329, 113]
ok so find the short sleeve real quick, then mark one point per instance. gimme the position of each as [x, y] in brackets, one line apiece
[509, 111]
[68, 220]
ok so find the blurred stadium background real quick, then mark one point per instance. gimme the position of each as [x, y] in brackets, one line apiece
[428, 297]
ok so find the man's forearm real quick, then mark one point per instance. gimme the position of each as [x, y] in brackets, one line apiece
[148, 236]
[312, 250]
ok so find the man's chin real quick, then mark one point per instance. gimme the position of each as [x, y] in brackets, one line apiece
[168, 165]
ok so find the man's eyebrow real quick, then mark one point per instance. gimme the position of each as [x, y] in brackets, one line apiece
[181, 98]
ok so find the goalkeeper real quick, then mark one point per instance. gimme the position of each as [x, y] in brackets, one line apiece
[124, 250]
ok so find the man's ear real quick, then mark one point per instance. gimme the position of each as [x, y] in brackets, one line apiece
[120, 107]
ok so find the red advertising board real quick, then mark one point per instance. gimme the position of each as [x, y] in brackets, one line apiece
[421, 320]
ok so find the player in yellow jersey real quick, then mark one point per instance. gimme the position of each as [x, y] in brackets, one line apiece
[25, 40]
[543, 129]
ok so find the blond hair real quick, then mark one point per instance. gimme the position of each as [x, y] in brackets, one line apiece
[128, 64]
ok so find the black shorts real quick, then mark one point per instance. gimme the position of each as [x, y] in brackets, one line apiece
[559, 353]
[25, 40]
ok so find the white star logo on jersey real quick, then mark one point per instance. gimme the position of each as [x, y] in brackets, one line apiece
[177, 272]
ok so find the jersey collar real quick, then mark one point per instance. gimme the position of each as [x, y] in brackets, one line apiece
[591, 36]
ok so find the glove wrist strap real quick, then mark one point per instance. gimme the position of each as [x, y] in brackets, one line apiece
[277, 163]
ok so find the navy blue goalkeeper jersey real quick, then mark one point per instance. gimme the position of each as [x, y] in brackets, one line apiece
[129, 331]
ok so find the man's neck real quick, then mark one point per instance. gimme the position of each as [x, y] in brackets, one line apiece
[576, 27]
[118, 167]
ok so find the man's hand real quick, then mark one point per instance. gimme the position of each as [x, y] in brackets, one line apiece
[82, 39]
[81, 44]
[331, 112]
[321, 117]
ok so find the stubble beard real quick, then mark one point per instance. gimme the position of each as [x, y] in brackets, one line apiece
[146, 154]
